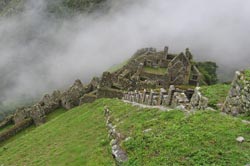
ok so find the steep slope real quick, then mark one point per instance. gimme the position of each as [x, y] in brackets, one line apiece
[77, 137]
[150, 137]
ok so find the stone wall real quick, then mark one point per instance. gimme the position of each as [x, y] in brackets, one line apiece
[116, 138]
[238, 99]
[174, 97]
[198, 101]
[14, 130]
[7, 121]
[88, 98]
[109, 93]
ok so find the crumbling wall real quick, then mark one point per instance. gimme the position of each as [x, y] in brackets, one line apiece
[238, 99]
[116, 138]
[14, 130]
[198, 101]
[106, 92]
[174, 97]
[71, 98]
[88, 98]
[7, 121]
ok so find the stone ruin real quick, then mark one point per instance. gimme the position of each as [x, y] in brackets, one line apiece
[176, 98]
[135, 75]
[238, 99]
[151, 69]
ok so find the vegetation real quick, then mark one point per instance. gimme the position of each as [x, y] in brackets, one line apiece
[208, 70]
[215, 93]
[11, 6]
[82, 5]
[247, 74]
[158, 70]
[62, 8]
[116, 67]
[79, 137]
[172, 138]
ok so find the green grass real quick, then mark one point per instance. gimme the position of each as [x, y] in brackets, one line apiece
[49, 117]
[204, 138]
[158, 71]
[55, 114]
[216, 93]
[114, 68]
[247, 74]
[79, 137]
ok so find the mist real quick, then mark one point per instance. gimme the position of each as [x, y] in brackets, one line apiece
[40, 52]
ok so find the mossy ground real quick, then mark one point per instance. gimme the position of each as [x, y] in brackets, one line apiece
[79, 137]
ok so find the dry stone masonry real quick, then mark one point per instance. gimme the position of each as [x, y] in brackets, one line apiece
[118, 153]
[147, 69]
[238, 99]
[188, 99]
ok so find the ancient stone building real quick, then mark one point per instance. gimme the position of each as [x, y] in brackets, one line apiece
[151, 69]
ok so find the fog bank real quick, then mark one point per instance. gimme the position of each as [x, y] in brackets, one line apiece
[40, 52]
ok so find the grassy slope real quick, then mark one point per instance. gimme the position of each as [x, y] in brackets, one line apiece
[216, 93]
[79, 137]
[204, 138]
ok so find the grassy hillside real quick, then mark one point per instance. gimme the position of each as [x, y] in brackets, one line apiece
[79, 137]
[216, 93]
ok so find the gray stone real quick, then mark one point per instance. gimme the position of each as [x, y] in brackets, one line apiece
[240, 139]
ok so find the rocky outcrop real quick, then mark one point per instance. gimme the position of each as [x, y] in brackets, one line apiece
[238, 99]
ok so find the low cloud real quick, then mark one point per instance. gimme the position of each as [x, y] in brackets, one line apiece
[40, 52]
